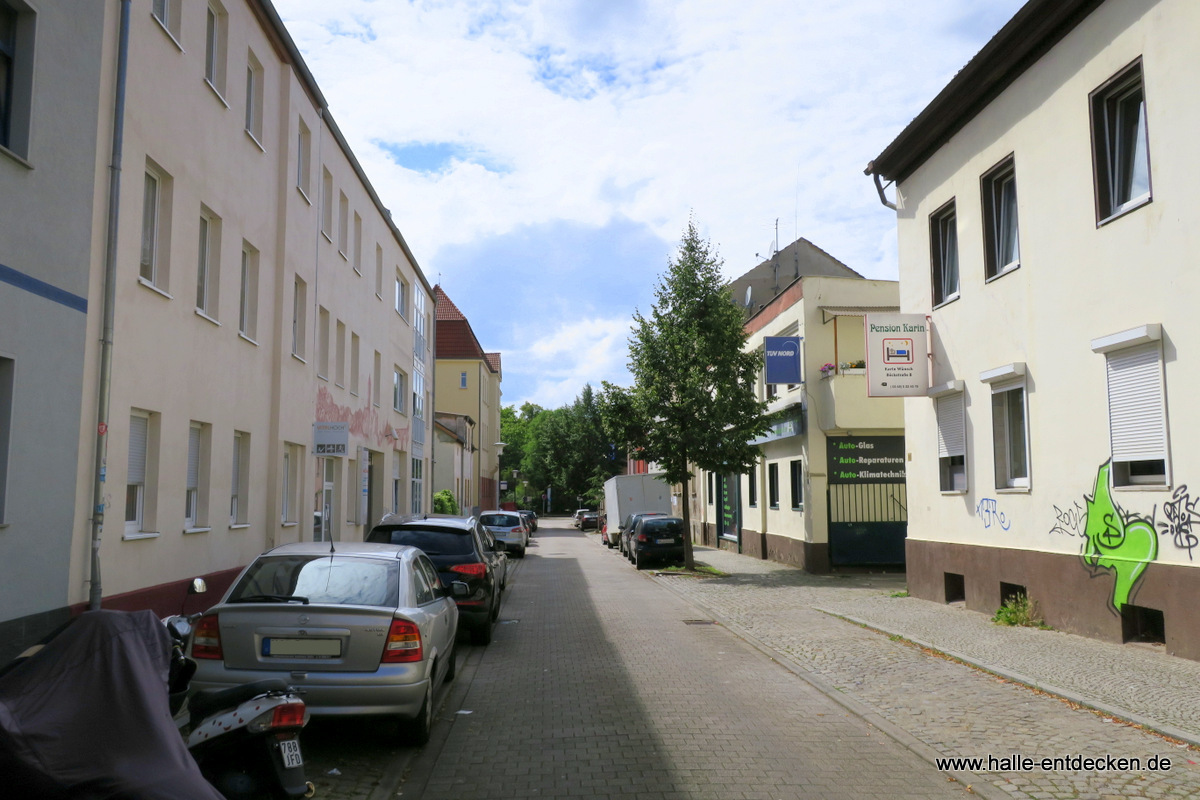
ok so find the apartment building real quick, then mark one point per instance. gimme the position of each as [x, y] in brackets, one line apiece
[1042, 202]
[268, 375]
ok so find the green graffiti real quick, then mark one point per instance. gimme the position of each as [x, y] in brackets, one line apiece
[1116, 542]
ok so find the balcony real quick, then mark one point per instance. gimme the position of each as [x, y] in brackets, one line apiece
[842, 404]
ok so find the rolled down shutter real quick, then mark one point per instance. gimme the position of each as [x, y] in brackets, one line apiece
[1136, 404]
[138, 429]
[951, 425]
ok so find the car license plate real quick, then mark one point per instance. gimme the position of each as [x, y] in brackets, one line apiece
[668, 540]
[290, 749]
[302, 648]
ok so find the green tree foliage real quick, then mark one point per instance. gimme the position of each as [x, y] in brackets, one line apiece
[444, 503]
[693, 401]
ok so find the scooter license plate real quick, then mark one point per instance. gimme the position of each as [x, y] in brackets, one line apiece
[290, 749]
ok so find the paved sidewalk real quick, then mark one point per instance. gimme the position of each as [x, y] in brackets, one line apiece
[945, 709]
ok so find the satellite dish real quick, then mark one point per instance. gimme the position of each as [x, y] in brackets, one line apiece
[749, 289]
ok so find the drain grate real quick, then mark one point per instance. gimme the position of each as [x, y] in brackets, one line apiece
[699, 622]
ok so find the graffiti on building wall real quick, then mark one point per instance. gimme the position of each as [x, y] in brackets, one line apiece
[365, 422]
[1179, 515]
[988, 510]
[1116, 541]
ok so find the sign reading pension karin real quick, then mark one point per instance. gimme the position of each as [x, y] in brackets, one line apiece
[865, 459]
[897, 355]
[781, 362]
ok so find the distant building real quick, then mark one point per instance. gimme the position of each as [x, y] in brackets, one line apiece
[1045, 203]
[758, 286]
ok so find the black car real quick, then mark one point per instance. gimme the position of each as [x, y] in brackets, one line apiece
[626, 528]
[461, 549]
[531, 519]
[656, 539]
[589, 520]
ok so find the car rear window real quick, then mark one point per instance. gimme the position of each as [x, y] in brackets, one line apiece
[434, 541]
[327, 579]
[500, 520]
[652, 525]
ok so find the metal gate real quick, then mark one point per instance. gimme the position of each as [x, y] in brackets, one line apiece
[867, 500]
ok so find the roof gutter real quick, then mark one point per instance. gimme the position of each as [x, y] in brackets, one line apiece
[870, 170]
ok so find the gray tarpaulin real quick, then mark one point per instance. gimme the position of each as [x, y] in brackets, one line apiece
[87, 717]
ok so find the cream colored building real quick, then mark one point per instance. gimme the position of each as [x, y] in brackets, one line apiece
[261, 291]
[787, 509]
[1044, 204]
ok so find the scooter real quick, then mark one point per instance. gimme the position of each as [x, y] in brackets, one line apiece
[245, 738]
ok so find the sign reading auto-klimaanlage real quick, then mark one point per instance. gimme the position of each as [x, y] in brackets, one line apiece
[897, 355]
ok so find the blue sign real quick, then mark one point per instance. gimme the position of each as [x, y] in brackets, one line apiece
[782, 363]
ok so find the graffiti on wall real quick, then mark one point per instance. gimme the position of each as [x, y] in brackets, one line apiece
[988, 510]
[1180, 514]
[1116, 541]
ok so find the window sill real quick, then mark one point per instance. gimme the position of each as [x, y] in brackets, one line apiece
[800, 509]
[140, 535]
[168, 32]
[357, 271]
[960, 492]
[322, 377]
[299, 358]
[339, 385]
[1132, 205]
[377, 294]
[1008, 270]
[289, 524]
[202, 315]
[246, 338]
[304, 194]
[353, 394]
[196, 530]
[15, 157]
[254, 139]
[154, 288]
[216, 92]
[1143, 487]
[946, 302]
[327, 237]
[239, 526]
[342, 253]
[1014, 490]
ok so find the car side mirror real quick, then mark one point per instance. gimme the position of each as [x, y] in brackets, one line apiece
[459, 589]
[198, 586]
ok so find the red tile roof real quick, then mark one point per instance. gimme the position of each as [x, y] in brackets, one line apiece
[453, 337]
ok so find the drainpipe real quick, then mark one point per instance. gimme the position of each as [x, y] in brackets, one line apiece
[870, 170]
[104, 380]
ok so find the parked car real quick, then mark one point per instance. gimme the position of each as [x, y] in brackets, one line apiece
[575, 517]
[589, 520]
[627, 528]
[656, 538]
[508, 527]
[462, 550]
[364, 629]
[531, 520]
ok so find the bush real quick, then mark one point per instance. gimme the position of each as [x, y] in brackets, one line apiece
[444, 503]
[1019, 610]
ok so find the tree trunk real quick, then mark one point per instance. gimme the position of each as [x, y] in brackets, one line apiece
[688, 559]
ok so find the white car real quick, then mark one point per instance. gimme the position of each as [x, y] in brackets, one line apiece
[508, 527]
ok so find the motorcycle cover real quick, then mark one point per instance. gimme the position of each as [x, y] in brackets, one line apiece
[87, 717]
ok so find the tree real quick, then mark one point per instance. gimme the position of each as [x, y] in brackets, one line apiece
[693, 401]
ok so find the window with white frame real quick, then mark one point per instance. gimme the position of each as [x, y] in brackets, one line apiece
[351, 491]
[401, 295]
[216, 35]
[950, 409]
[304, 159]
[355, 346]
[139, 480]
[379, 270]
[195, 516]
[322, 342]
[773, 485]
[168, 13]
[418, 393]
[462, 380]
[418, 485]
[1002, 247]
[248, 292]
[17, 43]
[377, 374]
[254, 97]
[752, 486]
[356, 259]
[339, 355]
[398, 389]
[943, 245]
[1010, 435]
[1120, 146]
[208, 263]
[327, 203]
[1137, 407]
[239, 491]
[299, 316]
[397, 460]
[343, 225]
[156, 215]
[290, 489]
[796, 475]
[7, 372]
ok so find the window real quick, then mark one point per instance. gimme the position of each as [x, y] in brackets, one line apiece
[156, 214]
[6, 408]
[418, 397]
[397, 458]
[773, 485]
[752, 494]
[1137, 415]
[1002, 251]
[254, 97]
[303, 159]
[1120, 147]
[356, 261]
[248, 292]
[343, 225]
[354, 350]
[352, 491]
[398, 389]
[323, 343]
[420, 325]
[195, 516]
[141, 473]
[1010, 436]
[167, 12]
[401, 296]
[796, 470]
[15, 70]
[951, 441]
[208, 263]
[418, 469]
[711, 493]
[327, 203]
[291, 483]
[299, 316]
[216, 27]
[339, 355]
[943, 242]
[377, 374]
[379, 271]
[462, 380]
[239, 492]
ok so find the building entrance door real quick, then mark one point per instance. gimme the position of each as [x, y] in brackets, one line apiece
[868, 500]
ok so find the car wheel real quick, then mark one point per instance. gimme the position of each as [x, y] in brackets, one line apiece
[639, 561]
[483, 634]
[521, 553]
[452, 668]
[416, 731]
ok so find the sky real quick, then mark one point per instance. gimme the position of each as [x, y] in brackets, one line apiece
[542, 158]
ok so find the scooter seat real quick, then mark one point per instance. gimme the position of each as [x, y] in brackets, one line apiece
[207, 702]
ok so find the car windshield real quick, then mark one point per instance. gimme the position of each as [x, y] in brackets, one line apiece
[329, 579]
[652, 525]
[434, 541]
[500, 520]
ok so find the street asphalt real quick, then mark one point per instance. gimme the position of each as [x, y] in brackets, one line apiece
[768, 682]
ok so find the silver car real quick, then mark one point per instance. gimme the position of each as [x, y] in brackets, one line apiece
[359, 628]
[507, 527]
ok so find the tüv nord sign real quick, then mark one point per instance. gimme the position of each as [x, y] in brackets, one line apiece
[782, 359]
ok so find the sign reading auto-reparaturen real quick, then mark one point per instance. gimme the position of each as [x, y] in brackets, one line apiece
[897, 355]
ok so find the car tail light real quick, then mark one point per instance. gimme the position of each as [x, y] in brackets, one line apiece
[517, 529]
[206, 638]
[476, 570]
[287, 715]
[403, 643]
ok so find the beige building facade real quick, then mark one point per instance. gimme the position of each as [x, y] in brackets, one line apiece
[1044, 205]
[270, 364]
